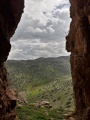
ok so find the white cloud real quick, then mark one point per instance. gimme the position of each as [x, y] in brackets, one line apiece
[50, 29]
[35, 30]
[42, 30]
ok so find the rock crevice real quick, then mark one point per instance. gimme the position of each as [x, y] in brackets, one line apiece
[10, 14]
[78, 43]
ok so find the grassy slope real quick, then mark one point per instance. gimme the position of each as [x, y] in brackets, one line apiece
[43, 78]
[31, 113]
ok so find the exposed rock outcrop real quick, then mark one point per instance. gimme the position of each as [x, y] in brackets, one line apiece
[78, 43]
[42, 103]
[10, 14]
[22, 98]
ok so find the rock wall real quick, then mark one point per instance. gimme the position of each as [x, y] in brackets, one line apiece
[78, 43]
[10, 14]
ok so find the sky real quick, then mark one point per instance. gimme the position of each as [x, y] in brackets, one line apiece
[42, 30]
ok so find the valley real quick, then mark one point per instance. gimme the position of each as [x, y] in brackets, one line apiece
[42, 79]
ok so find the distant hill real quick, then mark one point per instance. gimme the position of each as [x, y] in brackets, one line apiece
[43, 78]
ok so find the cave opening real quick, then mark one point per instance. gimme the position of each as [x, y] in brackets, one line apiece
[42, 36]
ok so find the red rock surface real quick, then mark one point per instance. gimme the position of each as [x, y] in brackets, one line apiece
[78, 43]
[10, 14]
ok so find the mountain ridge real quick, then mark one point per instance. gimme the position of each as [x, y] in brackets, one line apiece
[42, 78]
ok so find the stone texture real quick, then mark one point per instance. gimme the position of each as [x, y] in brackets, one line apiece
[10, 14]
[78, 43]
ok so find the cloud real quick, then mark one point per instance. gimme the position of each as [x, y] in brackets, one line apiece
[42, 30]
[35, 48]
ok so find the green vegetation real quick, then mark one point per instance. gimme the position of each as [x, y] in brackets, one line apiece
[42, 79]
[33, 113]
[36, 72]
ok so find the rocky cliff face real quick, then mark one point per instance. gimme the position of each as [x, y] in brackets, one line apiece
[10, 14]
[78, 43]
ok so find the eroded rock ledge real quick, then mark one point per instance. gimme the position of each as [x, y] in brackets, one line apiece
[78, 43]
[10, 14]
